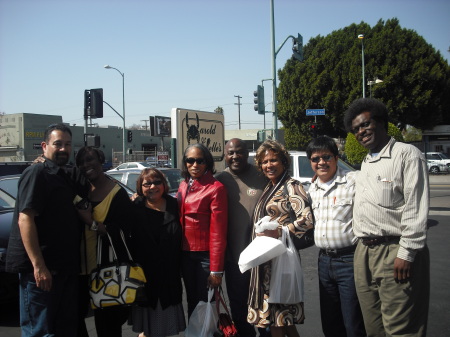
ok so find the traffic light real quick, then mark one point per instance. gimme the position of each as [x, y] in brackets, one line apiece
[96, 103]
[259, 100]
[87, 103]
[130, 136]
[313, 130]
[93, 103]
[297, 47]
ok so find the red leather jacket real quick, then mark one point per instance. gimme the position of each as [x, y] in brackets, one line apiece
[204, 218]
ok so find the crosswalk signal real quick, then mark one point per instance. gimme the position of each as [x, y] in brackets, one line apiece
[259, 100]
[130, 136]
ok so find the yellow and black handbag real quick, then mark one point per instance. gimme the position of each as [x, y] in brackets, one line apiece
[116, 283]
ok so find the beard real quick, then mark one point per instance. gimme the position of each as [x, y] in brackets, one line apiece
[61, 158]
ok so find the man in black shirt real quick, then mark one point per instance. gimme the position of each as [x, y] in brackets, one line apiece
[45, 241]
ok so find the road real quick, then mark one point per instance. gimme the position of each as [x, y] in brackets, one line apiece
[438, 236]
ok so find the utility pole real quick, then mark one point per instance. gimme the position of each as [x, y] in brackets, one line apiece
[239, 109]
[145, 121]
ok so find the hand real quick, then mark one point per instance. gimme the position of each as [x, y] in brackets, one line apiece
[86, 214]
[402, 270]
[38, 160]
[43, 278]
[134, 196]
[273, 233]
[214, 281]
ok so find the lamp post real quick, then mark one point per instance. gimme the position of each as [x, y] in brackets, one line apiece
[361, 37]
[123, 110]
[370, 83]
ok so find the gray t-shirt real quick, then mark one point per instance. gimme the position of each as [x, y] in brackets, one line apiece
[244, 191]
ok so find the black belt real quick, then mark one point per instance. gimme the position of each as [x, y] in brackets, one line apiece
[378, 240]
[338, 251]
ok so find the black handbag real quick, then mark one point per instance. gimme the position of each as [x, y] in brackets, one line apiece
[307, 239]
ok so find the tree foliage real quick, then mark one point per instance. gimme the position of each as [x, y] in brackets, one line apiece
[415, 87]
[355, 152]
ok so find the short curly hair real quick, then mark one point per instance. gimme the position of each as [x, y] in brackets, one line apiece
[89, 149]
[277, 148]
[378, 111]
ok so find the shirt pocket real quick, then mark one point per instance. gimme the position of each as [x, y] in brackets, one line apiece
[342, 208]
[384, 193]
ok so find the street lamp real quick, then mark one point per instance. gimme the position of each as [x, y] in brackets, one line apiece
[123, 109]
[361, 37]
[370, 83]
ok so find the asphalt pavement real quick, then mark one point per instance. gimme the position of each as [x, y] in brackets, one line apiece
[438, 236]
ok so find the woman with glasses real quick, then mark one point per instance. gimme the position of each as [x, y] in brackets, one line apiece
[156, 242]
[202, 202]
[273, 160]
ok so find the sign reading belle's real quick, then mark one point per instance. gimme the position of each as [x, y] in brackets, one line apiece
[193, 126]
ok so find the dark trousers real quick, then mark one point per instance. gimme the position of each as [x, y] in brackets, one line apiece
[195, 271]
[237, 289]
[339, 306]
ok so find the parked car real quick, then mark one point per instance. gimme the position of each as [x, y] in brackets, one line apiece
[437, 167]
[439, 158]
[300, 168]
[132, 165]
[129, 177]
[9, 283]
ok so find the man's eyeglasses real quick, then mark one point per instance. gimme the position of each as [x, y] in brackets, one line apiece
[191, 161]
[150, 183]
[363, 126]
[326, 157]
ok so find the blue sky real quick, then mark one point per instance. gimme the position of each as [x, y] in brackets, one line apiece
[194, 54]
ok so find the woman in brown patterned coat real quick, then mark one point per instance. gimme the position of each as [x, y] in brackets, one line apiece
[273, 160]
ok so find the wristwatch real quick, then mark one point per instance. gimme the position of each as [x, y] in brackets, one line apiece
[94, 226]
[217, 273]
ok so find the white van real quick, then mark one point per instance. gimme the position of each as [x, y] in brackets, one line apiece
[300, 168]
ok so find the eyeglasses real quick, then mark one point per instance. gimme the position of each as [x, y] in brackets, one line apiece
[326, 157]
[363, 126]
[191, 161]
[150, 183]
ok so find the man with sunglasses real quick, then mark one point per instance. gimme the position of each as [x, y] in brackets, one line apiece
[331, 196]
[392, 263]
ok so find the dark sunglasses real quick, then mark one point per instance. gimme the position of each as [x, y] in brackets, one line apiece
[150, 183]
[326, 157]
[191, 161]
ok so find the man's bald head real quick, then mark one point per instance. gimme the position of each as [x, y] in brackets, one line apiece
[236, 155]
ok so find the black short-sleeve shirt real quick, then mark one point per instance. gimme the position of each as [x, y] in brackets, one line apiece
[48, 190]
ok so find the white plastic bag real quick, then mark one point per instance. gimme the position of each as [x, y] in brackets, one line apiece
[203, 321]
[286, 280]
[260, 250]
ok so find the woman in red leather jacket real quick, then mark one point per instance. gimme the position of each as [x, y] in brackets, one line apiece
[203, 206]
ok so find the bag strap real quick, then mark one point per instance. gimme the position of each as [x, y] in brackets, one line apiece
[99, 248]
[220, 300]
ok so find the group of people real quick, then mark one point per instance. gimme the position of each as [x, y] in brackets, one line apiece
[370, 227]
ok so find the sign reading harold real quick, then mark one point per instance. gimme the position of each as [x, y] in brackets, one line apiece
[192, 127]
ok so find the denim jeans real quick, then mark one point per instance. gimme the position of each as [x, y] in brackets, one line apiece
[195, 271]
[339, 307]
[49, 313]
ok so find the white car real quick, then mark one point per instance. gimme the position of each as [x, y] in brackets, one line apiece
[132, 165]
[300, 168]
[438, 157]
[435, 166]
